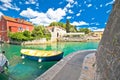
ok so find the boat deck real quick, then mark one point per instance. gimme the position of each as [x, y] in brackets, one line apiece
[69, 68]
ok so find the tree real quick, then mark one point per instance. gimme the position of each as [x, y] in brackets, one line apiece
[37, 32]
[86, 30]
[72, 28]
[58, 24]
[41, 32]
[54, 24]
[27, 34]
[67, 26]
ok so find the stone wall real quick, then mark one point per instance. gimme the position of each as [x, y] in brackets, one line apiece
[108, 53]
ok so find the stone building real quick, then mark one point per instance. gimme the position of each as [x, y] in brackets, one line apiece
[56, 32]
[108, 52]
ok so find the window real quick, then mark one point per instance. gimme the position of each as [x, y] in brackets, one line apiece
[10, 28]
[27, 28]
[20, 28]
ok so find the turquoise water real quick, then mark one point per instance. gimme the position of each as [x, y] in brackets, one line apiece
[25, 69]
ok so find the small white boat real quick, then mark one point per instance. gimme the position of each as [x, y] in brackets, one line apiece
[3, 62]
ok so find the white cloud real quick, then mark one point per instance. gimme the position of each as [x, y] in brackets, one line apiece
[79, 5]
[31, 2]
[6, 1]
[80, 23]
[6, 4]
[76, 3]
[95, 23]
[68, 17]
[93, 18]
[101, 5]
[108, 11]
[109, 3]
[37, 4]
[66, 8]
[20, 2]
[96, 8]
[43, 18]
[85, 2]
[29, 13]
[78, 14]
[70, 11]
[60, 2]
[89, 5]
[80, 11]
[56, 14]
[3, 8]
[96, 29]
[1, 14]
[70, 1]
[69, 5]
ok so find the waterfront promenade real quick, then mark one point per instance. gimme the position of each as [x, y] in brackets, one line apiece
[69, 68]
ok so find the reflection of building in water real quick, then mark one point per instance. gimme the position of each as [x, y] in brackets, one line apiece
[57, 46]
[51, 46]
[56, 32]
[42, 46]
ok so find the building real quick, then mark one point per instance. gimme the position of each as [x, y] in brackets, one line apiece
[97, 34]
[74, 34]
[56, 32]
[13, 25]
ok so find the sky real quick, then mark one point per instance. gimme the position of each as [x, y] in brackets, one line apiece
[92, 14]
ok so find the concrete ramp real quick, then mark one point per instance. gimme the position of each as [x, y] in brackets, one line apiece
[69, 68]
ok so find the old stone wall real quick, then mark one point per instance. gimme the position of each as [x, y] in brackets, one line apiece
[108, 53]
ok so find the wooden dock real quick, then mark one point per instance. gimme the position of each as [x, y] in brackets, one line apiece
[69, 68]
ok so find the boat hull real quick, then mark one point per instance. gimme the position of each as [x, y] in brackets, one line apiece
[42, 59]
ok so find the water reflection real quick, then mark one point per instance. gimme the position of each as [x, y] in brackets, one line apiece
[52, 46]
[25, 69]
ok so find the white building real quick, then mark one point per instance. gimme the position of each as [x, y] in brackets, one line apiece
[56, 32]
[74, 34]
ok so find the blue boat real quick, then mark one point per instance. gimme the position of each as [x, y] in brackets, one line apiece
[41, 55]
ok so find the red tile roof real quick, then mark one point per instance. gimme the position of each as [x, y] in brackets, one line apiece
[17, 20]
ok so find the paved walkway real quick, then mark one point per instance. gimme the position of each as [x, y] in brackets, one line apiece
[69, 68]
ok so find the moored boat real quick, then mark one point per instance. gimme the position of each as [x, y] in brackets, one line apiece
[3, 62]
[41, 55]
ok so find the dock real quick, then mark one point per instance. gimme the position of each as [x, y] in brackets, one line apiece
[69, 68]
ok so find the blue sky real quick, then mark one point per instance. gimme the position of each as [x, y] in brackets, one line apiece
[92, 14]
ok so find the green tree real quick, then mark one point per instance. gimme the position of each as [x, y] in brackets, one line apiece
[18, 36]
[37, 32]
[27, 33]
[72, 28]
[67, 26]
[54, 24]
[41, 32]
[58, 24]
[86, 30]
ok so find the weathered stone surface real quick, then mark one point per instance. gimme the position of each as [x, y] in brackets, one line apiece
[108, 53]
